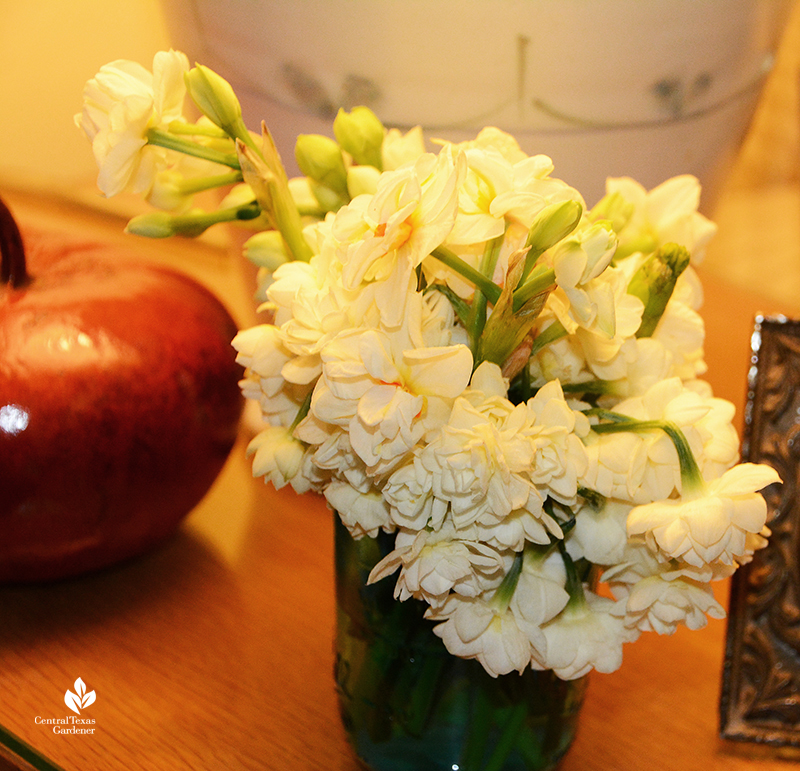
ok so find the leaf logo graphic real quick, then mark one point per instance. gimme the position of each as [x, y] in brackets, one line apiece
[80, 699]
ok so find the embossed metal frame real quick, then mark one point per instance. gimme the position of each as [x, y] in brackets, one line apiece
[760, 699]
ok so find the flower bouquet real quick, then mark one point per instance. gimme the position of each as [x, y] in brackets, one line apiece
[495, 386]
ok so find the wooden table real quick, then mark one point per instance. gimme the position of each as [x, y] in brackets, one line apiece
[215, 651]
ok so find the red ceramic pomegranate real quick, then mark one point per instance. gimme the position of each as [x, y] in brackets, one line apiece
[119, 403]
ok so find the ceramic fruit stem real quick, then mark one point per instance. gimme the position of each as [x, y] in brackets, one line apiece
[12, 253]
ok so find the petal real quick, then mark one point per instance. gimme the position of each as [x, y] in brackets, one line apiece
[744, 479]
[442, 371]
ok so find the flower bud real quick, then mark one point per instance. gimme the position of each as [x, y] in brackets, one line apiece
[167, 192]
[553, 223]
[362, 179]
[266, 249]
[304, 200]
[320, 158]
[615, 209]
[328, 200]
[360, 133]
[654, 282]
[157, 224]
[239, 195]
[216, 99]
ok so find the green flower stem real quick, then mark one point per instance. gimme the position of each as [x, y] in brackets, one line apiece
[592, 497]
[541, 279]
[288, 221]
[171, 142]
[525, 390]
[691, 478]
[302, 412]
[207, 219]
[508, 738]
[505, 591]
[189, 186]
[574, 585]
[565, 524]
[461, 307]
[194, 129]
[478, 735]
[265, 174]
[477, 319]
[488, 287]
[423, 694]
[554, 332]
[613, 417]
[162, 225]
[589, 387]
[22, 751]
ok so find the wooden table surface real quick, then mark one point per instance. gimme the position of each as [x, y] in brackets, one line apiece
[215, 651]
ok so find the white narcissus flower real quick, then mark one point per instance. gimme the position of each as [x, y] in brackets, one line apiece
[502, 185]
[532, 190]
[277, 455]
[362, 513]
[409, 493]
[643, 466]
[386, 391]
[710, 527]
[579, 259]
[520, 527]
[540, 594]
[478, 463]
[666, 214]
[399, 149]
[617, 464]
[658, 605]
[600, 534]
[654, 596]
[493, 462]
[383, 238]
[120, 104]
[557, 432]
[488, 173]
[262, 353]
[434, 563]
[682, 332]
[497, 140]
[562, 360]
[489, 381]
[475, 628]
[612, 316]
[640, 363]
[311, 307]
[584, 636]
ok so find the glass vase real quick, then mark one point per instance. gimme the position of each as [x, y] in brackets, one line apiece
[407, 704]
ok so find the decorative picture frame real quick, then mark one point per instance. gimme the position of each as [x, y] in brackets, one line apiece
[760, 699]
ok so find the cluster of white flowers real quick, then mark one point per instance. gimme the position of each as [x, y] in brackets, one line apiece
[500, 503]
[459, 352]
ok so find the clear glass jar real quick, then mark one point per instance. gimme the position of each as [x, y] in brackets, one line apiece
[407, 704]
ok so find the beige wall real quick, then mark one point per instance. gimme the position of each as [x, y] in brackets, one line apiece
[48, 49]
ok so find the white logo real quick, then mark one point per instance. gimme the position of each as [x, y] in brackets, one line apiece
[80, 699]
